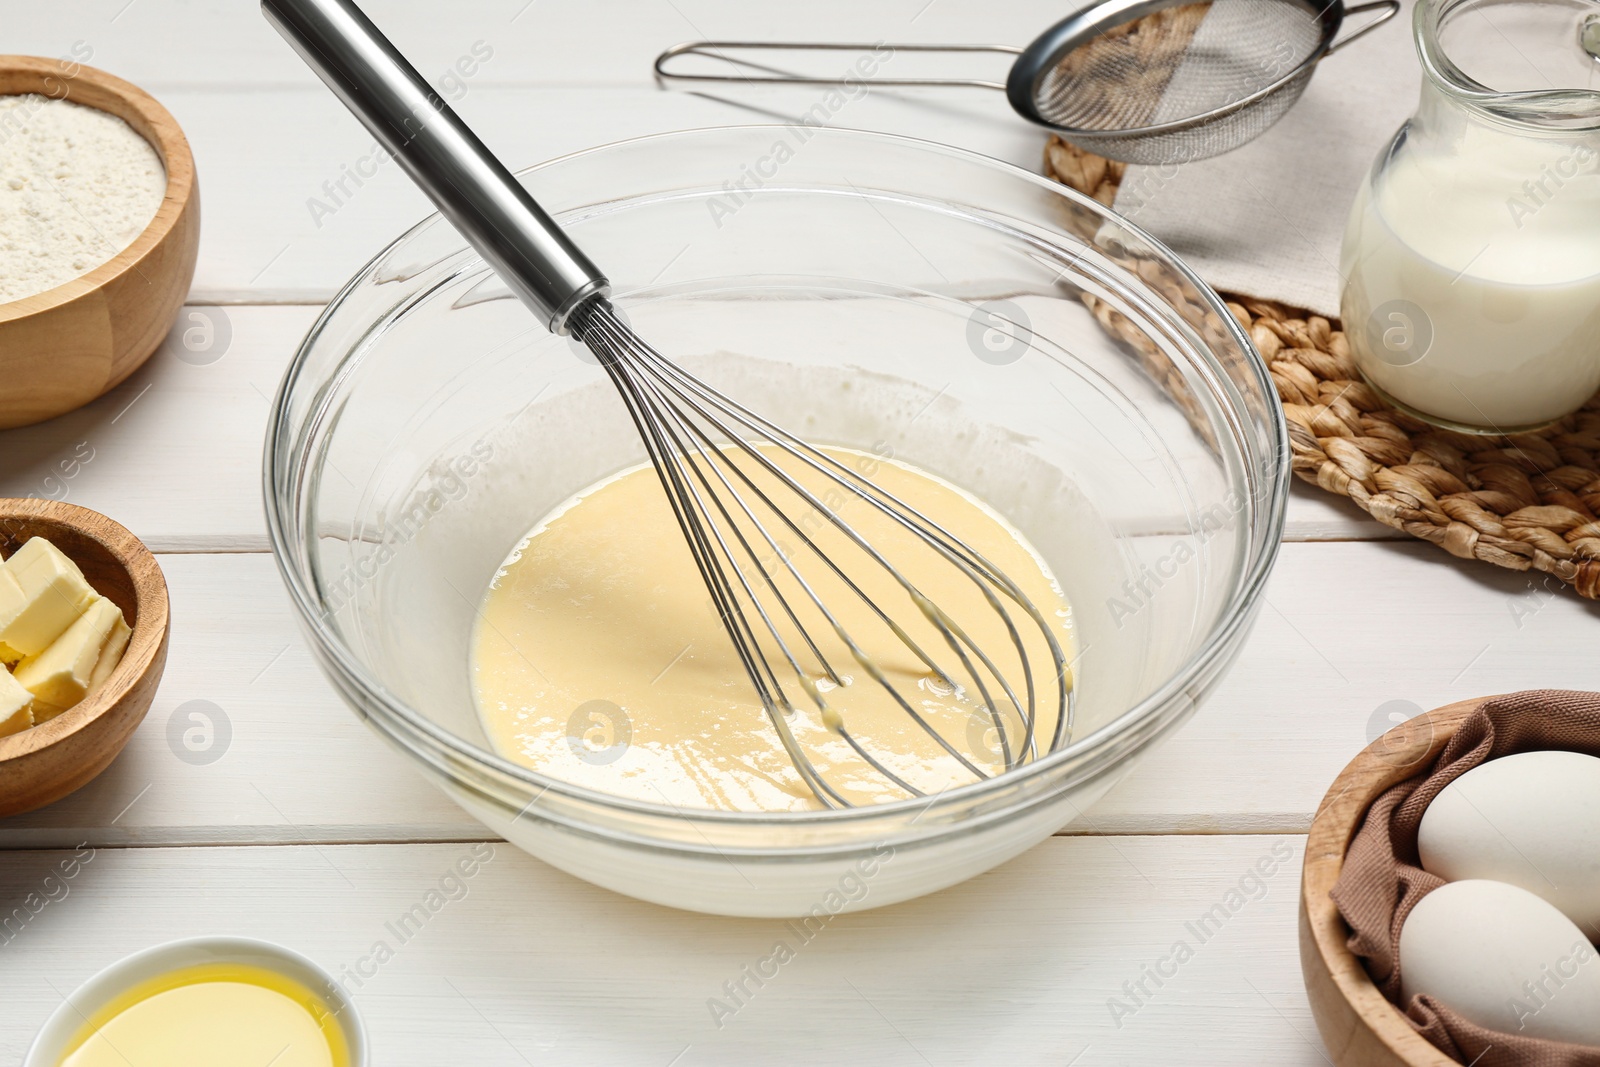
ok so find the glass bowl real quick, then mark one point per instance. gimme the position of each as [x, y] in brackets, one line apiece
[877, 292]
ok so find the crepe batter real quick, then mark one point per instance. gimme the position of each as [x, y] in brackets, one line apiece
[599, 659]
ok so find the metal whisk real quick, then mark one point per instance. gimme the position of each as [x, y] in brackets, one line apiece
[695, 436]
[737, 483]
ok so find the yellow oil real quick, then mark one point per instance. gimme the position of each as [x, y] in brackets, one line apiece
[213, 1015]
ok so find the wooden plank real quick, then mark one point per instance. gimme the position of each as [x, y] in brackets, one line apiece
[1315, 515]
[533, 42]
[174, 452]
[1352, 635]
[527, 965]
[1322, 666]
[290, 762]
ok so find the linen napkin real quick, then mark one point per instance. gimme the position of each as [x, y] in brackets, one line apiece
[1267, 219]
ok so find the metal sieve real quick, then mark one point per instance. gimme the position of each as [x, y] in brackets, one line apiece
[1142, 81]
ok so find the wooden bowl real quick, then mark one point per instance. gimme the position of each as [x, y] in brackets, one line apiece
[61, 348]
[45, 763]
[1358, 1024]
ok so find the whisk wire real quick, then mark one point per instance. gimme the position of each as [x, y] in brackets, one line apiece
[952, 633]
[765, 681]
[706, 448]
[693, 434]
[936, 536]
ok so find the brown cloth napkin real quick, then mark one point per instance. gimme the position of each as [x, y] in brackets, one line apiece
[1382, 879]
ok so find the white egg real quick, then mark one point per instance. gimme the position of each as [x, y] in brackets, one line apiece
[1531, 819]
[1503, 958]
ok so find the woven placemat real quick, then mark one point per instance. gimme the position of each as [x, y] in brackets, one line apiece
[1527, 501]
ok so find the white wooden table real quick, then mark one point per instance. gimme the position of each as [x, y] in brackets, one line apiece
[309, 831]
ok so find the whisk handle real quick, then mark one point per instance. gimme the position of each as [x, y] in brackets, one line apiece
[461, 176]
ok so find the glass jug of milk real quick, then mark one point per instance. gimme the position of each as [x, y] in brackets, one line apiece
[1471, 260]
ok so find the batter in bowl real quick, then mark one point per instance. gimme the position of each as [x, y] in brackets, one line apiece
[599, 659]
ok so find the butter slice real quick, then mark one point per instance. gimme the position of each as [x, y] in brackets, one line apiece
[60, 676]
[11, 603]
[111, 654]
[16, 711]
[46, 595]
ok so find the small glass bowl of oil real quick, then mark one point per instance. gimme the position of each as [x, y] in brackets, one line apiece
[205, 1002]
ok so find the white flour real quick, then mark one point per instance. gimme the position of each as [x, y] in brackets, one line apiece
[77, 185]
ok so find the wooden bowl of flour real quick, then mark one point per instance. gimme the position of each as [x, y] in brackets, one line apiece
[61, 348]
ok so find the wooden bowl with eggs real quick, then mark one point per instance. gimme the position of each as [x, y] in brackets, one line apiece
[44, 763]
[64, 347]
[1357, 1022]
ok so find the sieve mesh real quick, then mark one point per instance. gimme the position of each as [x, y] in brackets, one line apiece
[1178, 64]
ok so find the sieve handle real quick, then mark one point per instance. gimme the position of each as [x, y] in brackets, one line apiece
[1390, 9]
[773, 76]
[461, 176]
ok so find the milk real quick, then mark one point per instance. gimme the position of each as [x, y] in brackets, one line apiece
[1472, 273]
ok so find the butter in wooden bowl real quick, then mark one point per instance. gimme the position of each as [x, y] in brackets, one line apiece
[59, 638]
